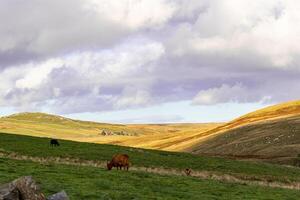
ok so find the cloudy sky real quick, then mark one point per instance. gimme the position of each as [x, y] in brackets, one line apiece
[156, 61]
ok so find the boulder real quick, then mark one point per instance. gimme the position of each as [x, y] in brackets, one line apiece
[9, 192]
[28, 188]
[59, 196]
[25, 188]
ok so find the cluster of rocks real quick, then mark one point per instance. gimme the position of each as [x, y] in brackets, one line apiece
[109, 133]
[25, 188]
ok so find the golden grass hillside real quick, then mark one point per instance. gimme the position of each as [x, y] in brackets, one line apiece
[189, 137]
[191, 142]
[272, 133]
[170, 137]
[147, 135]
[276, 140]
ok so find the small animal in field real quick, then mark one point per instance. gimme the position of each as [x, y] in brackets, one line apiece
[119, 161]
[188, 171]
[54, 142]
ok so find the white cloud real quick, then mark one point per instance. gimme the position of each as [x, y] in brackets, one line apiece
[131, 98]
[36, 74]
[87, 55]
[224, 94]
[60, 26]
[134, 13]
[85, 75]
[269, 29]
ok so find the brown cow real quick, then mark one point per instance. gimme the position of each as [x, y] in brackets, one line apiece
[188, 171]
[119, 161]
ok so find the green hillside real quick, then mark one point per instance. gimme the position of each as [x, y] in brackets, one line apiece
[79, 169]
[90, 183]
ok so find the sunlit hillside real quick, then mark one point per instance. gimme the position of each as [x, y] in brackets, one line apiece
[171, 137]
[148, 135]
[272, 133]
[272, 112]
[45, 125]
[275, 140]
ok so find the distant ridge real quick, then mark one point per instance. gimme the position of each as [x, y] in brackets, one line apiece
[36, 116]
[49, 125]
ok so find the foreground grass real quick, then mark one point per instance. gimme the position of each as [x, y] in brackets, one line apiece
[94, 183]
[39, 147]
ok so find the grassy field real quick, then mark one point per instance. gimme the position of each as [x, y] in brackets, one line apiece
[91, 183]
[39, 147]
[86, 182]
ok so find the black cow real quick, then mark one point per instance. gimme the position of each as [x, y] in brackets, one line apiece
[54, 142]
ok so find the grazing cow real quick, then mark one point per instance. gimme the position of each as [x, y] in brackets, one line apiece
[54, 142]
[119, 161]
[188, 171]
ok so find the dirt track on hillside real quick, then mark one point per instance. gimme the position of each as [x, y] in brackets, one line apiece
[241, 179]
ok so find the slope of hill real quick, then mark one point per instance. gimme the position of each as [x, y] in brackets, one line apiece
[272, 133]
[268, 113]
[191, 142]
[46, 125]
[171, 137]
[276, 140]
[146, 135]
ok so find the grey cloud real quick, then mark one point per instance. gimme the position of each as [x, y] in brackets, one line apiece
[41, 29]
[82, 60]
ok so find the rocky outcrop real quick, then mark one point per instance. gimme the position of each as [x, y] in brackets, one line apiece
[109, 133]
[25, 188]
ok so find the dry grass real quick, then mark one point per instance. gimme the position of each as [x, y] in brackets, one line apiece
[277, 140]
[270, 134]
[153, 136]
[283, 110]
[170, 137]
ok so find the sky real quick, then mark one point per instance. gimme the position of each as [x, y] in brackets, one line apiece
[142, 61]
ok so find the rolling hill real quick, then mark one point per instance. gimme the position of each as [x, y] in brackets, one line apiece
[190, 142]
[277, 140]
[272, 133]
[136, 135]
[244, 136]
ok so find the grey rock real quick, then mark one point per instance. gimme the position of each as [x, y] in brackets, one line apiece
[24, 188]
[59, 196]
[9, 192]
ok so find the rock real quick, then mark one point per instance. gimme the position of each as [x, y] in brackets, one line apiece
[28, 188]
[9, 192]
[24, 188]
[59, 196]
